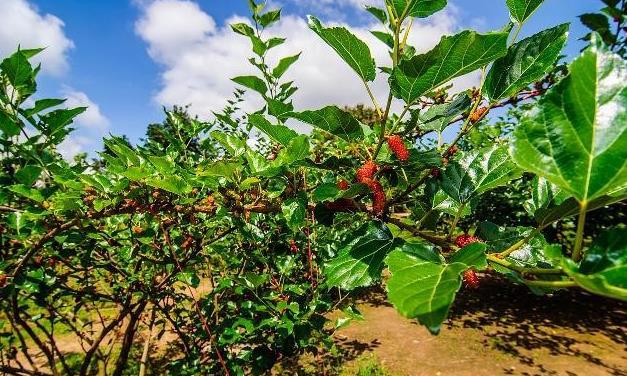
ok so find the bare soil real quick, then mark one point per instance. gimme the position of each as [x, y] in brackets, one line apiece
[497, 329]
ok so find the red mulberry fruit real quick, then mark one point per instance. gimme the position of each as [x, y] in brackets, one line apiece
[398, 147]
[470, 279]
[367, 171]
[378, 196]
[343, 185]
[464, 240]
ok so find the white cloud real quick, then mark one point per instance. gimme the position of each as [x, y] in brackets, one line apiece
[23, 25]
[92, 119]
[198, 66]
[90, 126]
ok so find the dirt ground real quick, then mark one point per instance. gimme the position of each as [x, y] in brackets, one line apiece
[498, 329]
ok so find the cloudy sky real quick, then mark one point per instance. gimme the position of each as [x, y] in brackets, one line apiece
[126, 59]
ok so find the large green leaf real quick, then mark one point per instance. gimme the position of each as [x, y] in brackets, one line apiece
[279, 133]
[521, 10]
[350, 48]
[604, 268]
[576, 135]
[333, 120]
[417, 8]
[453, 56]
[360, 262]
[477, 172]
[20, 74]
[438, 117]
[424, 289]
[526, 62]
[252, 82]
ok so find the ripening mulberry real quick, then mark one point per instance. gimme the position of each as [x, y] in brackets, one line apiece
[478, 114]
[435, 172]
[452, 150]
[3, 280]
[366, 172]
[293, 246]
[398, 147]
[464, 240]
[470, 279]
[343, 185]
[378, 196]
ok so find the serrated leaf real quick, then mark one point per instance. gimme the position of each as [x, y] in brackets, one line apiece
[351, 49]
[173, 184]
[603, 270]
[576, 136]
[333, 120]
[295, 213]
[283, 65]
[438, 117]
[526, 62]
[478, 172]
[379, 13]
[521, 10]
[472, 255]
[453, 56]
[422, 289]
[252, 82]
[232, 144]
[417, 8]
[279, 133]
[360, 262]
[269, 18]
[28, 175]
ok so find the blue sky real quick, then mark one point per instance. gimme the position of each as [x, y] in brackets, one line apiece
[129, 74]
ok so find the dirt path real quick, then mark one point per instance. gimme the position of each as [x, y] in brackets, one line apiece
[497, 330]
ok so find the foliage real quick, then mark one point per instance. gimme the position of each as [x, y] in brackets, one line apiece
[236, 236]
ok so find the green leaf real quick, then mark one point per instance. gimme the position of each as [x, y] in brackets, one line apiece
[173, 184]
[526, 62]
[58, 120]
[24, 191]
[283, 65]
[603, 271]
[333, 120]
[232, 144]
[8, 126]
[269, 18]
[295, 213]
[279, 133]
[252, 82]
[575, 136]
[453, 56]
[477, 172]
[417, 8]
[384, 37]
[19, 73]
[296, 150]
[278, 109]
[243, 29]
[379, 13]
[472, 255]
[350, 48]
[521, 10]
[422, 289]
[42, 105]
[599, 24]
[28, 175]
[190, 278]
[438, 117]
[571, 207]
[360, 262]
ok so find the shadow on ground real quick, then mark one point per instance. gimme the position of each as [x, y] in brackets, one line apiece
[519, 321]
[499, 328]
